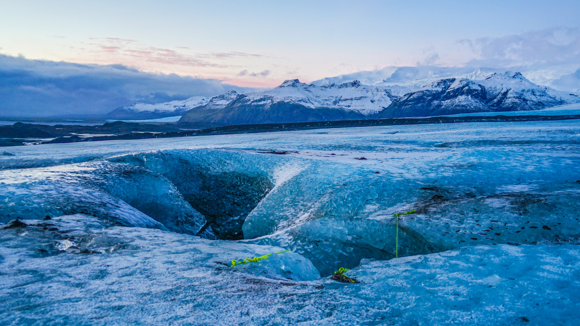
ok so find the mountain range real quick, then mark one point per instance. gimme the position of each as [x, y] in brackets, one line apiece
[498, 92]
[294, 101]
[560, 77]
[399, 95]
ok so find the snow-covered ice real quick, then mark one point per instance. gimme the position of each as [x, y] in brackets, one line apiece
[79, 270]
[494, 239]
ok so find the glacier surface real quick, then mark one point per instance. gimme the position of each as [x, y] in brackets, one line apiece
[493, 240]
[80, 270]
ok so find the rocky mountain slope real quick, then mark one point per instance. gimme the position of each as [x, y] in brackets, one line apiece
[294, 101]
[509, 91]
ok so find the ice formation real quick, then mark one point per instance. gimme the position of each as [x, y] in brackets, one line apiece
[80, 270]
[494, 238]
[221, 185]
[125, 194]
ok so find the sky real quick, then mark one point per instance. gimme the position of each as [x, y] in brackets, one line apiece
[262, 43]
[224, 44]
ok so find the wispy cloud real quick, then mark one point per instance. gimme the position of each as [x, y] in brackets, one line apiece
[132, 49]
[113, 49]
[430, 57]
[233, 54]
[262, 73]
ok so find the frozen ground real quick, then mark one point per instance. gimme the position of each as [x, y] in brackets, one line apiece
[494, 239]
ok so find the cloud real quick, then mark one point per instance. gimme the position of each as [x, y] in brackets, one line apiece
[430, 57]
[35, 88]
[429, 60]
[568, 82]
[234, 54]
[549, 46]
[135, 51]
[262, 73]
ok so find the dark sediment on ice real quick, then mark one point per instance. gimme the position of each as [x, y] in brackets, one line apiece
[27, 134]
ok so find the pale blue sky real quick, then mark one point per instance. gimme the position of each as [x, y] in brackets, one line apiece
[264, 42]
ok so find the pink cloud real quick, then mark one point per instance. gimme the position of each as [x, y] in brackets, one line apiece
[234, 54]
[115, 47]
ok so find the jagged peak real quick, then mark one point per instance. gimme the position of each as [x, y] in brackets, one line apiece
[229, 94]
[506, 75]
[291, 83]
[445, 83]
[354, 83]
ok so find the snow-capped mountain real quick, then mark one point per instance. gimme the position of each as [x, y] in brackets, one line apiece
[509, 91]
[409, 78]
[155, 111]
[220, 101]
[564, 77]
[403, 92]
[295, 101]
[353, 96]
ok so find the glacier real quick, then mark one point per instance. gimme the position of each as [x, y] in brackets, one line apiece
[145, 230]
[158, 111]
[122, 275]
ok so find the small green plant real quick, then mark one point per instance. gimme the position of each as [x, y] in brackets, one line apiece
[340, 276]
[397, 236]
[255, 259]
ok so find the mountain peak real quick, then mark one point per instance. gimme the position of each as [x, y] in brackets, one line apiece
[506, 75]
[291, 83]
[354, 83]
[514, 75]
[443, 83]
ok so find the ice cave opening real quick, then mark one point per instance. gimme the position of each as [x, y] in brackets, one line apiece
[223, 197]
